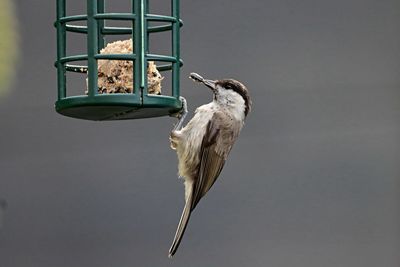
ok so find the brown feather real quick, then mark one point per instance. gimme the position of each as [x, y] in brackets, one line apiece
[215, 148]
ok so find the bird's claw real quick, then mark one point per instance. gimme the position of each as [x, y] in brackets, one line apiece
[181, 114]
[183, 110]
[184, 104]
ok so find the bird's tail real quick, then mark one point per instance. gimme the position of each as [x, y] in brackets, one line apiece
[182, 223]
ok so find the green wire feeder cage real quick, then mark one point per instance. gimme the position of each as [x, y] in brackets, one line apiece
[117, 106]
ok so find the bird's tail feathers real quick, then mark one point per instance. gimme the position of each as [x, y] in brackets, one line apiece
[182, 223]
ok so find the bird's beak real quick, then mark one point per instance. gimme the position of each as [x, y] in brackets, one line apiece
[210, 84]
[197, 78]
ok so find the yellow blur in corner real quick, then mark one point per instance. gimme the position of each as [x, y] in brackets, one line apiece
[8, 45]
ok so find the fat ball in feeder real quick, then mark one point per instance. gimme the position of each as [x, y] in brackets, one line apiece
[116, 76]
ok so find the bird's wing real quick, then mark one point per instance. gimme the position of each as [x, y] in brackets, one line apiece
[220, 135]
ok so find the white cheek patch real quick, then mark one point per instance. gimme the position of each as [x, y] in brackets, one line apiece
[230, 96]
[229, 99]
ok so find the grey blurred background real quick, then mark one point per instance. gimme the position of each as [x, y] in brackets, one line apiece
[314, 179]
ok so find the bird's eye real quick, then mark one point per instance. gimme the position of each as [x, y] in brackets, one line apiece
[228, 86]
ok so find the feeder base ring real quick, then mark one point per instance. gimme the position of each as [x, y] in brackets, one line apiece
[107, 107]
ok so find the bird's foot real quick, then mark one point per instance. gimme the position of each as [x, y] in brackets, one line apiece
[173, 139]
[183, 110]
[181, 114]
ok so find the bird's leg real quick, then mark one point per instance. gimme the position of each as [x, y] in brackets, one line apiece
[181, 114]
[174, 136]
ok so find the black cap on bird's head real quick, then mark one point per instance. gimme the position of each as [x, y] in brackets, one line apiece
[228, 84]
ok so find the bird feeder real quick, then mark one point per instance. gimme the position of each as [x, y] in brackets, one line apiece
[117, 106]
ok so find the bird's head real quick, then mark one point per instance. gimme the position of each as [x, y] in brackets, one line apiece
[227, 91]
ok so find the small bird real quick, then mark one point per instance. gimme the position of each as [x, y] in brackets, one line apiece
[203, 145]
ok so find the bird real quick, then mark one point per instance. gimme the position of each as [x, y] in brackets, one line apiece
[203, 145]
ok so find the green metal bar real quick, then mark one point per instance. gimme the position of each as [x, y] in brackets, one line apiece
[163, 58]
[121, 16]
[135, 9]
[124, 16]
[164, 67]
[168, 66]
[153, 17]
[139, 44]
[116, 16]
[143, 30]
[116, 56]
[175, 49]
[76, 28]
[92, 47]
[147, 29]
[73, 58]
[65, 19]
[145, 34]
[120, 30]
[101, 23]
[61, 50]
[146, 91]
[161, 28]
[117, 30]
